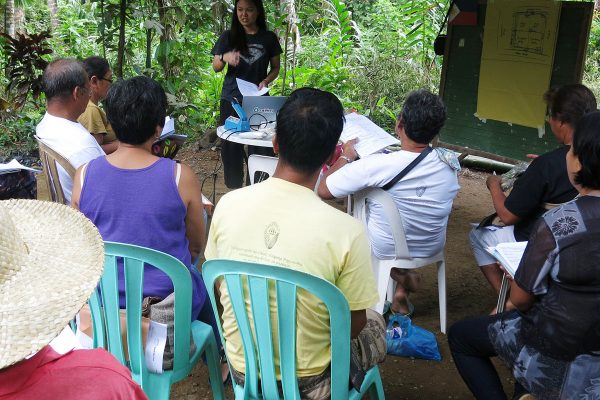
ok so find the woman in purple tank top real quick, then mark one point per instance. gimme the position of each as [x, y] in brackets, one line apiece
[135, 197]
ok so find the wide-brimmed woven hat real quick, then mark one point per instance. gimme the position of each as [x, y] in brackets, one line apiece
[51, 258]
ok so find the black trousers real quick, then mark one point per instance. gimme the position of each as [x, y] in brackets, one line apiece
[472, 349]
[233, 154]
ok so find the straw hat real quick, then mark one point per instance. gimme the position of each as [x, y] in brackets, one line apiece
[51, 258]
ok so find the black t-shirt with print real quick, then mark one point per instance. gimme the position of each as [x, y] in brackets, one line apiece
[545, 181]
[253, 65]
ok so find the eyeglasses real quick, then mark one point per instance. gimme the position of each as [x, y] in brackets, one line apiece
[109, 80]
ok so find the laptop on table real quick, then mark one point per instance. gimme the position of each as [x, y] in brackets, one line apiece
[262, 110]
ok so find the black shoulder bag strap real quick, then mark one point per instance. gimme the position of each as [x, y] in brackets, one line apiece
[408, 168]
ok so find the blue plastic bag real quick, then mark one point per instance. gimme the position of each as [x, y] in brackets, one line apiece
[407, 340]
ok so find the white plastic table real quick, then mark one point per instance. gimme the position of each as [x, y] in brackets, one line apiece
[235, 138]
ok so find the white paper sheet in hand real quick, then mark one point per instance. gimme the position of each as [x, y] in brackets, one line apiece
[371, 138]
[249, 88]
[168, 128]
[508, 254]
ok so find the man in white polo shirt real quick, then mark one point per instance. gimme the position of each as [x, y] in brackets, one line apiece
[423, 196]
[67, 90]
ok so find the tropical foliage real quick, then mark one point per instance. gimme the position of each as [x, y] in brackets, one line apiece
[369, 52]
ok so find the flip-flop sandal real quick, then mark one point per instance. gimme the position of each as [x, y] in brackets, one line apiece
[409, 314]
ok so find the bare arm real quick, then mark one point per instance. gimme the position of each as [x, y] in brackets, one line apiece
[110, 147]
[348, 155]
[520, 298]
[99, 137]
[358, 320]
[498, 199]
[231, 57]
[273, 73]
[189, 189]
[76, 192]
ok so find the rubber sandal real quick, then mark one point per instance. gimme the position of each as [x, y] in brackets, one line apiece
[409, 314]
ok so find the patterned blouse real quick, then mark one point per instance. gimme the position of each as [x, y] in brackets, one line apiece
[554, 348]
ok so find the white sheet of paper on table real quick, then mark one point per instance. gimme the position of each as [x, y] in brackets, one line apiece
[371, 138]
[15, 166]
[249, 88]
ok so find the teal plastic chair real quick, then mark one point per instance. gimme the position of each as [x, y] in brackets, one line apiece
[258, 348]
[106, 320]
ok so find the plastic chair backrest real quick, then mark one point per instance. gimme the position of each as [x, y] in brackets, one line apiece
[392, 215]
[264, 165]
[402, 259]
[50, 159]
[259, 342]
[109, 326]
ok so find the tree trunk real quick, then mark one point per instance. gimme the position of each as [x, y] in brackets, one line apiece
[148, 48]
[219, 11]
[165, 36]
[53, 7]
[9, 17]
[121, 47]
[291, 40]
[102, 29]
[19, 19]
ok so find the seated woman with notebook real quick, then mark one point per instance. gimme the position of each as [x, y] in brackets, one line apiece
[135, 197]
[552, 340]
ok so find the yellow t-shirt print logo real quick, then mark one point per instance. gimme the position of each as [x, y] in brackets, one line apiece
[271, 235]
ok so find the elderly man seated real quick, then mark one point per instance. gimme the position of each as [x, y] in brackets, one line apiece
[423, 196]
[67, 90]
[281, 220]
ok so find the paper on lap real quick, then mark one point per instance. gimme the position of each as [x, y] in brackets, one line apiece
[371, 138]
[509, 255]
[154, 337]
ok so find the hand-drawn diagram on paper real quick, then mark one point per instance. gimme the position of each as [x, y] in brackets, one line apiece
[528, 31]
[516, 62]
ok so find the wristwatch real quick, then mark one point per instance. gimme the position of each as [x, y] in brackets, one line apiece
[221, 57]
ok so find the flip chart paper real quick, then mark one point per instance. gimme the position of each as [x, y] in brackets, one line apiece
[516, 62]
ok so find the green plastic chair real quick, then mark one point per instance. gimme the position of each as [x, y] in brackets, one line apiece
[107, 324]
[258, 348]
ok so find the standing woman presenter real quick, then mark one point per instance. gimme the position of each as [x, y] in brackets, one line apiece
[252, 53]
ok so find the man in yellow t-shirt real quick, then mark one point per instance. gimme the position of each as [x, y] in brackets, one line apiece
[281, 221]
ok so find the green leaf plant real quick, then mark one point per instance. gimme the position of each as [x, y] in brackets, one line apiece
[26, 61]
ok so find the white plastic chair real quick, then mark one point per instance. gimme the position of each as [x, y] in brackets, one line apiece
[262, 164]
[381, 268]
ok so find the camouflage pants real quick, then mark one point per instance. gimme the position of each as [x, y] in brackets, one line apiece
[366, 351]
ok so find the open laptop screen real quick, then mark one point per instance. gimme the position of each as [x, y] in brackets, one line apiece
[262, 110]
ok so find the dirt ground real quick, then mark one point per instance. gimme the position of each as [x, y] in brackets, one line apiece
[468, 294]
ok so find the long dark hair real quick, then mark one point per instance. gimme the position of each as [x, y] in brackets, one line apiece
[96, 66]
[237, 35]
